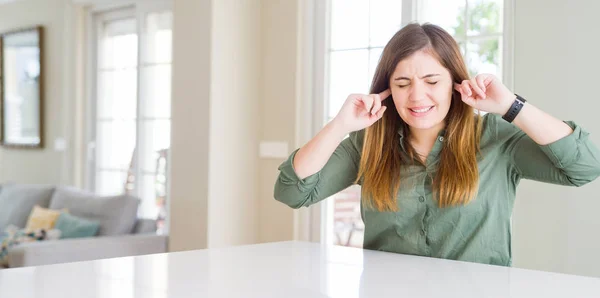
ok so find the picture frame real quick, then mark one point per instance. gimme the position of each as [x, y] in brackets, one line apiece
[22, 88]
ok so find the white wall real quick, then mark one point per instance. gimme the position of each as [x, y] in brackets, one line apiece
[216, 114]
[244, 71]
[190, 121]
[278, 109]
[556, 68]
[234, 122]
[46, 165]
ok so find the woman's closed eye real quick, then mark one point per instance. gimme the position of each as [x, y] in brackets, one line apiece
[430, 83]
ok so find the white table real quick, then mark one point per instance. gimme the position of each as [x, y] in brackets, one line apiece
[287, 269]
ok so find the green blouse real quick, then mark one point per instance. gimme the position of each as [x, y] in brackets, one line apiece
[477, 232]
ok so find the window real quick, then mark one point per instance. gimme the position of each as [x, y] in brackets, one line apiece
[357, 40]
[477, 25]
[130, 135]
[358, 31]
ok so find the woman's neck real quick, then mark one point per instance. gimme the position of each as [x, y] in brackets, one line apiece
[423, 140]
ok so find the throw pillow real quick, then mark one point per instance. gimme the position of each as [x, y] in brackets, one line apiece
[42, 218]
[72, 226]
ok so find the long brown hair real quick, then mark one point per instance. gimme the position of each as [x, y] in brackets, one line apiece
[457, 178]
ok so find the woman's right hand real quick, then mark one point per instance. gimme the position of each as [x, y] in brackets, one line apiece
[361, 111]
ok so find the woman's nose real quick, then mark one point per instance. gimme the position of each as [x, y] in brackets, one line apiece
[417, 92]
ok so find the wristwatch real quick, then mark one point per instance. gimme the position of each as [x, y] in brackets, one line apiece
[514, 109]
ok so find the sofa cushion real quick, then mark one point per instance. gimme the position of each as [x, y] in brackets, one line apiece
[17, 201]
[145, 226]
[116, 214]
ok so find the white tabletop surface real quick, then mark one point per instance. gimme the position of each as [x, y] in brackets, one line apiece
[287, 269]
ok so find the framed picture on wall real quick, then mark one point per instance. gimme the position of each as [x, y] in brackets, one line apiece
[21, 88]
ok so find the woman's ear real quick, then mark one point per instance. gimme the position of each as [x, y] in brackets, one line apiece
[458, 87]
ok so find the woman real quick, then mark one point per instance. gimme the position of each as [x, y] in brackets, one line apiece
[437, 178]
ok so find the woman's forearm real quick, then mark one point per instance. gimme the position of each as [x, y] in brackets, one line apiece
[540, 126]
[313, 156]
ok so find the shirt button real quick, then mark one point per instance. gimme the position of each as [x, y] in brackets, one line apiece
[421, 199]
[441, 139]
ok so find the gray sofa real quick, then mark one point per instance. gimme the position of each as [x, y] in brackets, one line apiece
[121, 232]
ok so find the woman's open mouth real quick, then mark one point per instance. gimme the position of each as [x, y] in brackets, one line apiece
[420, 111]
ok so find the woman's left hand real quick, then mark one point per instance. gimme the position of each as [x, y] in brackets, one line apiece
[486, 93]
